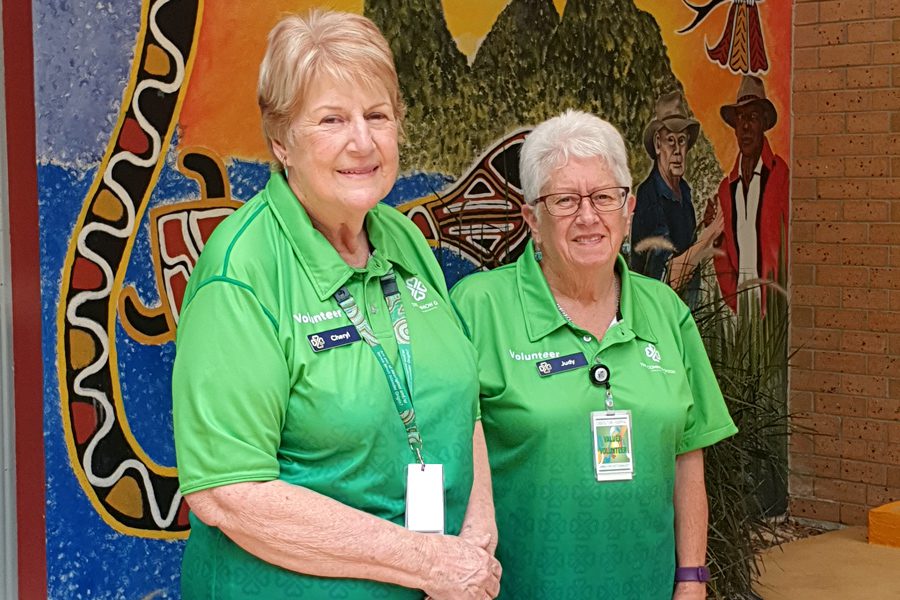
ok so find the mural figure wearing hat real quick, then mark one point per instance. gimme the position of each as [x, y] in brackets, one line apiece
[753, 198]
[664, 239]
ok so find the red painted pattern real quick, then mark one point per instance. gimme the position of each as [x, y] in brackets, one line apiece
[207, 224]
[132, 138]
[173, 239]
[84, 420]
[86, 275]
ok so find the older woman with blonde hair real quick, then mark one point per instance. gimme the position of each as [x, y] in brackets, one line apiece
[597, 396]
[324, 416]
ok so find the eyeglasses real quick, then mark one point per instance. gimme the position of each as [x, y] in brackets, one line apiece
[565, 204]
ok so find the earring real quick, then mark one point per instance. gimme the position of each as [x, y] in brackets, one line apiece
[538, 255]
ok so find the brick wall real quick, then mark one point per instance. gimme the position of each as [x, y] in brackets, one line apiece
[845, 258]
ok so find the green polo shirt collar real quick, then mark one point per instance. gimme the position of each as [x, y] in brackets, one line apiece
[326, 269]
[543, 317]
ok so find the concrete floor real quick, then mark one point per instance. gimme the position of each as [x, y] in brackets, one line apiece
[838, 565]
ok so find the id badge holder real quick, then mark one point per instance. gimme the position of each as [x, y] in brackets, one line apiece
[425, 498]
[613, 456]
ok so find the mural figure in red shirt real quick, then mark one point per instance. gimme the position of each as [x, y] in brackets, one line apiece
[753, 199]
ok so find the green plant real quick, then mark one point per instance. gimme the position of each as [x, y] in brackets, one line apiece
[745, 474]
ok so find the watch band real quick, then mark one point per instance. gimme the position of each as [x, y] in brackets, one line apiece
[700, 574]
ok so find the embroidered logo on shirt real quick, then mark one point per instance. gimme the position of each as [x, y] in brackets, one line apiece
[653, 354]
[419, 292]
[416, 289]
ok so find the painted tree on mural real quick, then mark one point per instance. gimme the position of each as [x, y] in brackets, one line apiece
[433, 75]
[507, 70]
[529, 68]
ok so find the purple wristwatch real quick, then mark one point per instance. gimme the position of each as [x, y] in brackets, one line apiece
[700, 574]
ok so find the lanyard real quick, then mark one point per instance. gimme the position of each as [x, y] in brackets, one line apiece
[399, 392]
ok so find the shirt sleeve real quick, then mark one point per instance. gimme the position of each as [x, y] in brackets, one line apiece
[708, 420]
[230, 385]
[456, 297]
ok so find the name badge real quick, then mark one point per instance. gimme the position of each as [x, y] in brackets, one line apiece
[333, 338]
[563, 363]
[613, 456]
[425, 498]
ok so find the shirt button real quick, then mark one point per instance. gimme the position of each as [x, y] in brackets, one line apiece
[373, 309]
[587, 338]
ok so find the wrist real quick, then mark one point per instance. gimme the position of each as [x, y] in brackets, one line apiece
[426, 554]
[692, 574]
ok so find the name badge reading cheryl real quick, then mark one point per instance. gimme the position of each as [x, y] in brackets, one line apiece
[333, 338]
[563, 363]
[613, 457]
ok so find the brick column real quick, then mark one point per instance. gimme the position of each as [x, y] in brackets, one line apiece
[845, 258]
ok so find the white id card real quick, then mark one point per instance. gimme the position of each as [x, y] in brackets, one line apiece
[425, 498]
[613, 457]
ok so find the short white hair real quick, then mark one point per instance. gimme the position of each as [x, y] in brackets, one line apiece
[573, 133]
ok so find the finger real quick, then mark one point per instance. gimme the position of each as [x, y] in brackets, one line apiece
[496, 569]
[492, 586]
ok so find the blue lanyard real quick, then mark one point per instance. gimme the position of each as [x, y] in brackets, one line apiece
[399, 392]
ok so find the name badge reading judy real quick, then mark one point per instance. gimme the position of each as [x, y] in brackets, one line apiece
[425, 498]
[563, 363]
[333, 338]
[613, 457]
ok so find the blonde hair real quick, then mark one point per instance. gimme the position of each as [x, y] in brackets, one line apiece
[344, 46]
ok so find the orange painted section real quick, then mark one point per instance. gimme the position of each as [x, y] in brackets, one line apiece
[884, 525]
[220, 111]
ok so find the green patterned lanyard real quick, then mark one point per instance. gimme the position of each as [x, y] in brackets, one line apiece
[401, 394]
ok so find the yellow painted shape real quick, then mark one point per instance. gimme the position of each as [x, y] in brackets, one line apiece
[156, 61]
[739, 58]
[83, 350]
[107, 206]
[884, 525]
[125, 497]
[469, 21]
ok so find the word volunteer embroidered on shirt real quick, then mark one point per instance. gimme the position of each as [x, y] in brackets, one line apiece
[531, 355]
[325, 315]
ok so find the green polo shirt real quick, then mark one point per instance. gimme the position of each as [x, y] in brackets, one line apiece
[562, 533]
[254, 402]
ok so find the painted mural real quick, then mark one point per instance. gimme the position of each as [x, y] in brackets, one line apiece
[148, 136]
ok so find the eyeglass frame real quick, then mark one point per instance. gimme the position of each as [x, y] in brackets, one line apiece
[623, 188]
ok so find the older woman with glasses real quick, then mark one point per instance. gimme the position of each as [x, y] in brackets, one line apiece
[324, 418]
[597, 396]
